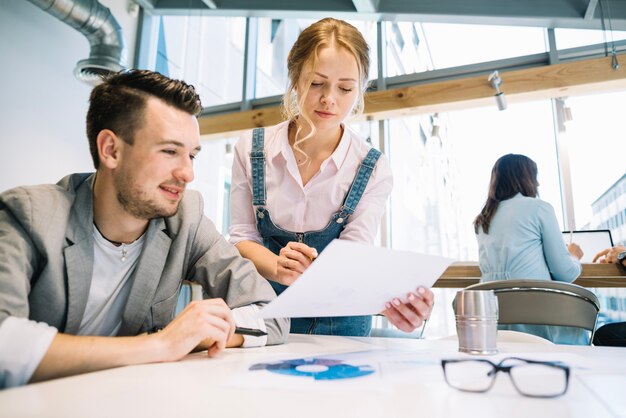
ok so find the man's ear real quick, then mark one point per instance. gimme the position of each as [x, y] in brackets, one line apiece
[108, 148]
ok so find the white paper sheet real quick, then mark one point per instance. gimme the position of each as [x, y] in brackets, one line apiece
[610, 391]
[355, 279]
[387, 368]
[391, 368]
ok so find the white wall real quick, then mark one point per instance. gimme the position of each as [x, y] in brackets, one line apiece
[42, 105]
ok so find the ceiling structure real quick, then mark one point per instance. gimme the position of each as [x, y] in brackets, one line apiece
[423, 92]
[579, 14]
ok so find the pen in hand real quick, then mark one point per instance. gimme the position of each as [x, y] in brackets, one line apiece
[238, 330]
[250, 331]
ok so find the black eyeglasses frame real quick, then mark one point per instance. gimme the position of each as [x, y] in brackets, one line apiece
[507, 369]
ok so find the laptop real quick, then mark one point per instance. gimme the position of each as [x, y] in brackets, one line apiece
[591, 242]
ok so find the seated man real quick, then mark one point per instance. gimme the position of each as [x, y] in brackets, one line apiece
[612, 334]
[103, 255]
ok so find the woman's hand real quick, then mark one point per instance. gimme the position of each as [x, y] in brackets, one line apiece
[410, 314]
[293, 259]
[575, 250]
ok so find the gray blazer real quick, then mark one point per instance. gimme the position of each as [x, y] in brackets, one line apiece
[46, 260]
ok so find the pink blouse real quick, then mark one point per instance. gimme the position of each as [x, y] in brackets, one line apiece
[299, 209]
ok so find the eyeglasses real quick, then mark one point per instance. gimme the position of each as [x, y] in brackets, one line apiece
[537, 379]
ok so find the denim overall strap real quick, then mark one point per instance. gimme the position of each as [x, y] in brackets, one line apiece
[257, 160]
[358, 184]
[275, 238]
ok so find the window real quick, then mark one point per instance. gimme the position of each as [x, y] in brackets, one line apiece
[572, 38]
[438, 160]
[597, 161]
[275, 39]
[453, 45]
[437, 45]
[206, 52]
[431, 179]
[212, 169]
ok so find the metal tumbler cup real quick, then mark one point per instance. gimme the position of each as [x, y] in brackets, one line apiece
[477, 321]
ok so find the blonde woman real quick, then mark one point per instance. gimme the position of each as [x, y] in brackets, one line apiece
[300, 184]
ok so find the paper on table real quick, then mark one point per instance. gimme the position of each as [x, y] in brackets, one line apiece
[388, 367]
[355, 279]
[609, 388]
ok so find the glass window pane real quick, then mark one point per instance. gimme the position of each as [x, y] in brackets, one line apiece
[368, 29]
[366, 130]
[572, 38]
[414, 47]
[407, 49]
[441, 179]
[212, 178]
[433, 173]
[597, 162]
[206, 52]
[275, 39]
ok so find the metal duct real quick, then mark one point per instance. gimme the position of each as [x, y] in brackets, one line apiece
[92, 19]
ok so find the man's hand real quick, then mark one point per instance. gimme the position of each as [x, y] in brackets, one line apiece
[609, 255]
[208, 323]
[293, 259]
[410, 314]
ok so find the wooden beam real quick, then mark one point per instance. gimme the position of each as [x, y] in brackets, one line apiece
[559, 80]
[568, 79]
[231, 124]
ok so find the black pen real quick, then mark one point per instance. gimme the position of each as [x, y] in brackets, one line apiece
[238, 330]
[250, 331]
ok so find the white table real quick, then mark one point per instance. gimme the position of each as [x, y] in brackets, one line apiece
[202, 387]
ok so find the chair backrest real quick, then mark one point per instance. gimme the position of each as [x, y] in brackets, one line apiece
[195, 290]
[189, 291]
[544, 302]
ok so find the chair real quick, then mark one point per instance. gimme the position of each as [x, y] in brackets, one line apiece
[189, 291]
[543, 302]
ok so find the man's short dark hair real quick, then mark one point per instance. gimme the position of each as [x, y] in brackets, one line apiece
[119, 103]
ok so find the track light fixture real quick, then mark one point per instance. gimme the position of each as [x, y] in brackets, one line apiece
[434, 120]
[496, 81]
[228, 149]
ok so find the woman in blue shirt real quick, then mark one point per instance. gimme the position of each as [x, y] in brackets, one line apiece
[519, 238]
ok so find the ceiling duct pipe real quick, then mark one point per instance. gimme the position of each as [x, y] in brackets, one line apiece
[92, 19]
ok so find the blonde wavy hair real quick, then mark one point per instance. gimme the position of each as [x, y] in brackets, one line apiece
[321, 34]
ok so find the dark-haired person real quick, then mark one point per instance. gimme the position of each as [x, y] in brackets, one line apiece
[613, 334]
[91, 265]
[519, 238]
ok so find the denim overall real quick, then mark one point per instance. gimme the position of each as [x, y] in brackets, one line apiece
[275, 238]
